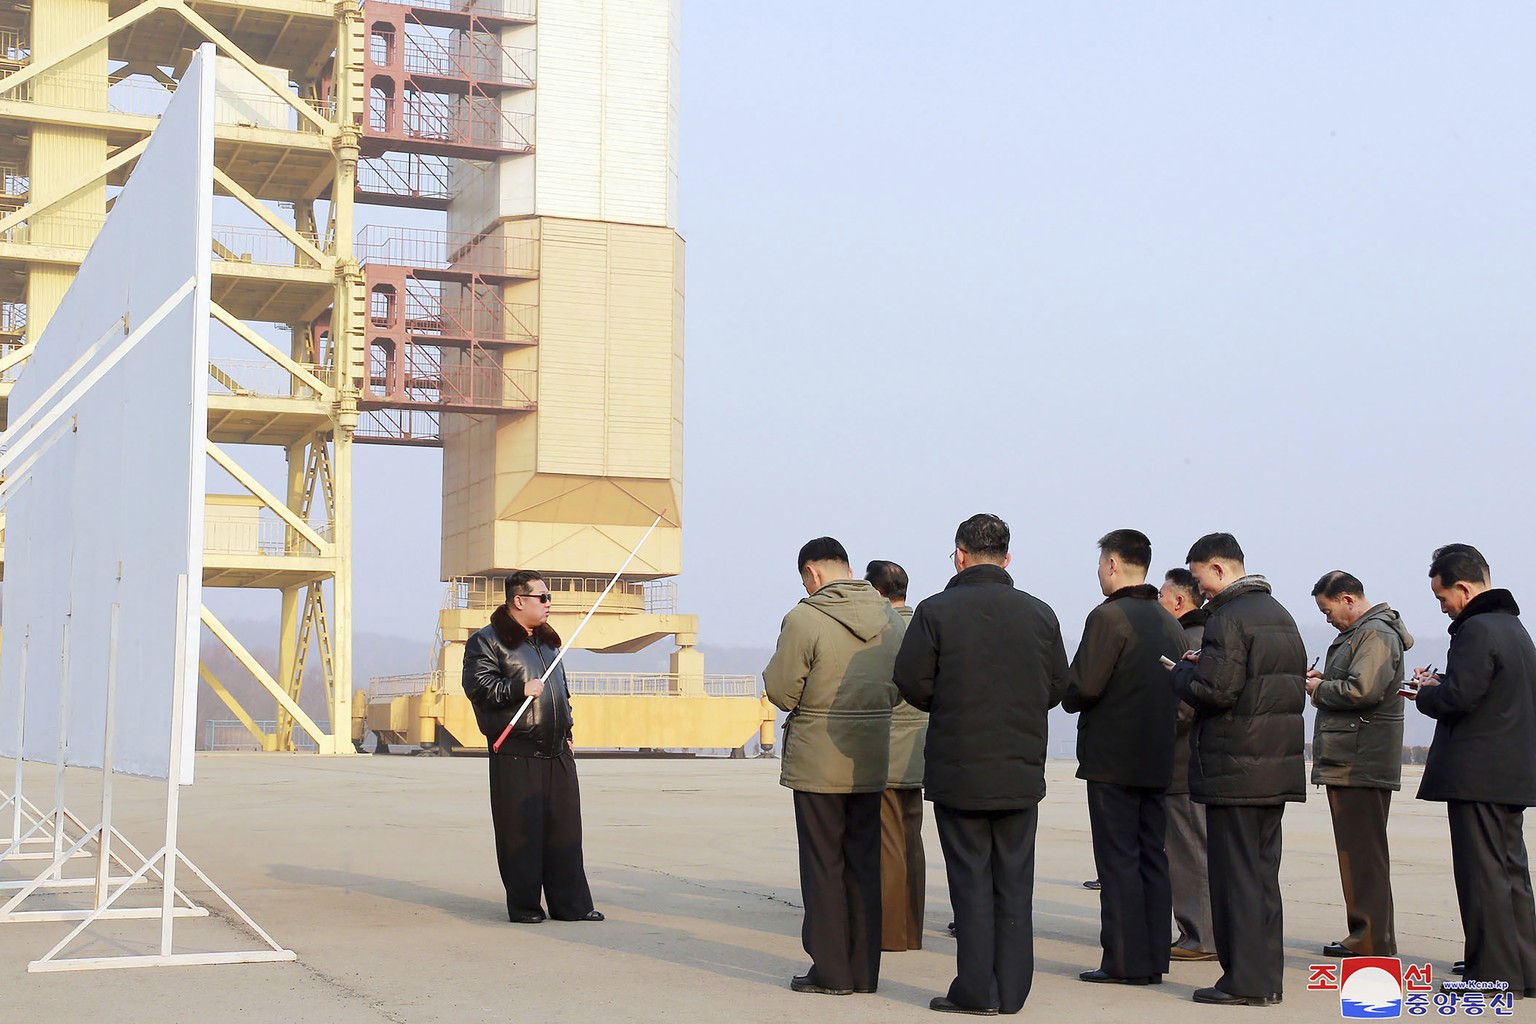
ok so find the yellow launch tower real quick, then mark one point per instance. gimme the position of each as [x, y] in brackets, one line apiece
[536, 335]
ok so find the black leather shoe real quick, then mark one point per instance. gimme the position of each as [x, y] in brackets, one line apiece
[945, 1006]
[803, 983]
[950, 928]
[1094, 884]
[1100, 977]
[528, 917]
[592, 915]
[1338, 949]
[1459, 967]
[1216, 997]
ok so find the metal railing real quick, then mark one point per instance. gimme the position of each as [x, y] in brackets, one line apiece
[476, 121]
[385, 688]
[382, 689]
[13, 319]
[657, 684]
[144, 97]
[262, 246]
[449, 251]
[230, 734]
[261, 378]
[516, 10]
[467, 56]
[400, 426]
[14, 48]
[241, 530]
[656, 597]
[406, 175]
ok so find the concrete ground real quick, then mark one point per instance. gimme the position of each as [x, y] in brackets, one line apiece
[380, 873]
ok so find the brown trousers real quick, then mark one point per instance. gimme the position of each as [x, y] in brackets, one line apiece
[903, 870]
[1365, 867]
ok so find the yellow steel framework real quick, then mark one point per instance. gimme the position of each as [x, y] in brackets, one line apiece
[81, 86]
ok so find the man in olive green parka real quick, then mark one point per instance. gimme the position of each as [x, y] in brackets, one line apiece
[832, 671]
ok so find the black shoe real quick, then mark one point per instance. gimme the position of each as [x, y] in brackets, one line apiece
[1459, 967]
[1099, 976]
[525, 917]
[950, 928]
[945, 1006]
[592, 915]
[1216, 997]
[865, 991]
[803, 983]
[1338, 949]
[1094, 884]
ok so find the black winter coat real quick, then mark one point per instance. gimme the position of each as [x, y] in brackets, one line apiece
[1248, 690]
[1484, 708]
[498, 660]
[1120, 690]
[986, 661]
[1194, 634]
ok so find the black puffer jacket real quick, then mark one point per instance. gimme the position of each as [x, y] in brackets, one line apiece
[1248, 690]
[498, 660]
[987, 662]
[1485, 709]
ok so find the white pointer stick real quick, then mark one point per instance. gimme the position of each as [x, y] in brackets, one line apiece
[572, 639]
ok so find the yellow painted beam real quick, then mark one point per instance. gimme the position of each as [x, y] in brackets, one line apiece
[119, 159]
[250, 483]
[228, 47]
[266, 348]
[234, 705]
[271, 219]
[147, 7]
[235, 647]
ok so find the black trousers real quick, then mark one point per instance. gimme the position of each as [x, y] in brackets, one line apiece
[840, 883]
[1365, 867]
[1243, 848]
[536, 810]
[1493, 888]
[1129, 825]
[989, 857]
[1188, 874]
[903, 870]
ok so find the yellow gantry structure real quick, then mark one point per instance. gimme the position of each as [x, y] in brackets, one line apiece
[82, 83]
[537, 340]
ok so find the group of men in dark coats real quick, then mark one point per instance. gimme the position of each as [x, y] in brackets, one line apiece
[986, 662]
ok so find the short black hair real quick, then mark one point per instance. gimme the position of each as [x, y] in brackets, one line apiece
[1215, 545]
[1336, 584]
[1130, 546]
[517, 583]
[1458, 563]
[822, 549]
[1184, 580]
[888, 577]
[984, 535]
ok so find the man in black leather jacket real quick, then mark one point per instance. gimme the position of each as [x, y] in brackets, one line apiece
[535, 798]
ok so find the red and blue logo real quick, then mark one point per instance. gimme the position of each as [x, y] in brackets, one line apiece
[1371, 987]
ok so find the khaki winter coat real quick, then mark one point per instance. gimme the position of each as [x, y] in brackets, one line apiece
[1357, 739]
[909, 731]
[832, 671]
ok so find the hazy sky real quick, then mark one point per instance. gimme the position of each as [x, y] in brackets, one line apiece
[1182, 267]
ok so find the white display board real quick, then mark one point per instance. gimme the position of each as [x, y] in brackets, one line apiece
[106, 502]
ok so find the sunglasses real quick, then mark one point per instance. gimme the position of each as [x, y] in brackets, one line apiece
[543, 598]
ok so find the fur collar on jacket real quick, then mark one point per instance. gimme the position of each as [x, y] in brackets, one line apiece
[512, 634]
[1140, 591]
[1194, 617]
[1487, 602]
